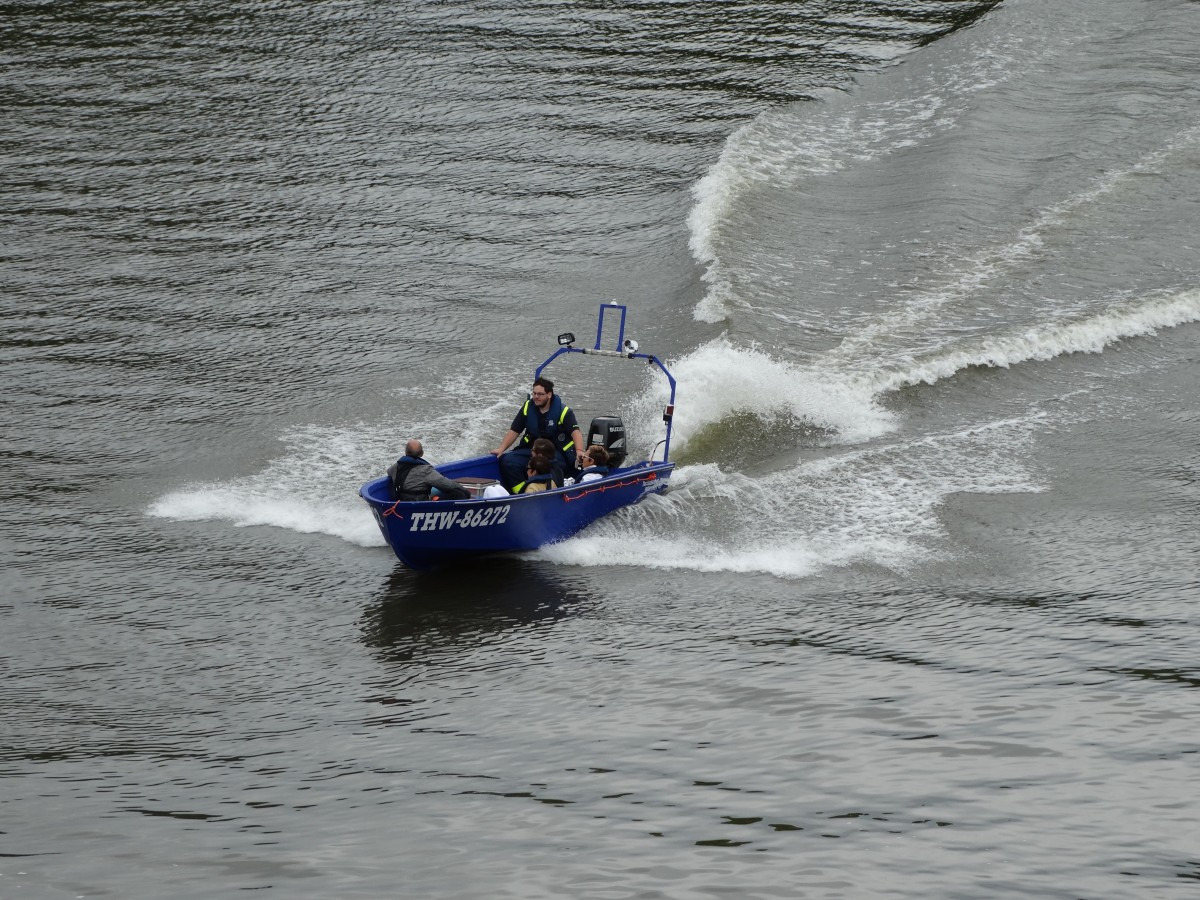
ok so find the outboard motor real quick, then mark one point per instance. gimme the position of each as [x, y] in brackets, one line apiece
[609, 433]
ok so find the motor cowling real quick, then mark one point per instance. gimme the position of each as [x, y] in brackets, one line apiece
[609, 433]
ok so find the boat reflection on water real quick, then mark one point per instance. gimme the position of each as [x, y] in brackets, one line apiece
[418, 618]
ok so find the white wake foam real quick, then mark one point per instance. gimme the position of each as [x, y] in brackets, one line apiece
[844, 396]
[783, 147]
[975, 271]
[718, 380]
[1090, 334]
[312, 488]
[876, 505]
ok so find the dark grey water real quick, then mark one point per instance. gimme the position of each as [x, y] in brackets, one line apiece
[919, 618]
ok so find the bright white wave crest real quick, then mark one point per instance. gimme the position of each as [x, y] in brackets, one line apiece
[313, 487]
[785, 146]
[1087, 335]
[975, 271]
[718, 380]
[876, 505]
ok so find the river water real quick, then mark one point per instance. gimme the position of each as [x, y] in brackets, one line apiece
[917, 619]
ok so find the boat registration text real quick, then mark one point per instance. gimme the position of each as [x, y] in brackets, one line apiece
[472, 518]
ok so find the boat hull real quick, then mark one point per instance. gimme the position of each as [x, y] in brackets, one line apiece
[427, 534]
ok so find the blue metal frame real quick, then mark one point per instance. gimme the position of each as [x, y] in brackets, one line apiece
[620, 352]
[604, 308]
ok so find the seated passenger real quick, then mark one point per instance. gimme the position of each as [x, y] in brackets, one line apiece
[537, 476]
[594, 464]
[412, 477]
[543, 447]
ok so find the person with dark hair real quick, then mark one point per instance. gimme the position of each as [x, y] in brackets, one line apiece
[538, 476]
[413, 478]
[543, 415]
[543, 447]
[593, 464]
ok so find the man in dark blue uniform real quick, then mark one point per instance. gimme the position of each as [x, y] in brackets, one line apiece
[543, 415]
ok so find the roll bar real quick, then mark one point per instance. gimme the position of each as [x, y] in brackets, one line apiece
[623, 349]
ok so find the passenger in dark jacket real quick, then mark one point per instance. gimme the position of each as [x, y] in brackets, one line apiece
[412, 477]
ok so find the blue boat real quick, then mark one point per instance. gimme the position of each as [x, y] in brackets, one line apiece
[430, 533]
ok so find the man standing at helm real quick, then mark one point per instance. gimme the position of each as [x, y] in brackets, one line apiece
[543, 415]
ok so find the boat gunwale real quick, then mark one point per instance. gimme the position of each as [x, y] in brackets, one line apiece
[625, 472]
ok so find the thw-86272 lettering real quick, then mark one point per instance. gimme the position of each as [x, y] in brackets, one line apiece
[471, 518]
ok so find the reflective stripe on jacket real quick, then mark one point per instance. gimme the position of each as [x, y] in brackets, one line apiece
[557, 413]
